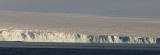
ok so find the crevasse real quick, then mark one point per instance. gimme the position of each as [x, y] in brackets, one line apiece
[51, 36]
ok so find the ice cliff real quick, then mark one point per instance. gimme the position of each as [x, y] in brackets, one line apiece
[51, 36]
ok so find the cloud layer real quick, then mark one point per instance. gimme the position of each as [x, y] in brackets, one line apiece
[129, 8]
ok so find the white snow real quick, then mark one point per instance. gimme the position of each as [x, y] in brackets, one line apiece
[51, 36]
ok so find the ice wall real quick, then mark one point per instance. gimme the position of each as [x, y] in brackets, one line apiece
[51, 36]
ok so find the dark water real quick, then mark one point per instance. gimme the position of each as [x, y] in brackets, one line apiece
[72, 51]
[51, 48]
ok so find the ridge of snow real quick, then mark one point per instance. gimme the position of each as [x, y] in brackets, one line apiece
[52, 36]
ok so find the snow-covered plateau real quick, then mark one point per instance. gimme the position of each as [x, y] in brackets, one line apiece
[80, 28]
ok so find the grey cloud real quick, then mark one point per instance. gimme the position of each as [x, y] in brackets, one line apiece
[127, 8]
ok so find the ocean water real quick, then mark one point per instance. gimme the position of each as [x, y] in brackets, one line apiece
[50, 48]
[61, 51]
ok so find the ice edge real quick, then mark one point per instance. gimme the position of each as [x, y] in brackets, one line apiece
[51, 36]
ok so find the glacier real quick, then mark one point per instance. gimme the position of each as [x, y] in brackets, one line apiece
[53, 36]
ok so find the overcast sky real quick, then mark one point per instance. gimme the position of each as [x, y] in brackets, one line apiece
[125, 8]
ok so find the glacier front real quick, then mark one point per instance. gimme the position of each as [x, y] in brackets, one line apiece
[52, 36]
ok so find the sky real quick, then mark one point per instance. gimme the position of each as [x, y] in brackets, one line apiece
[122, 8]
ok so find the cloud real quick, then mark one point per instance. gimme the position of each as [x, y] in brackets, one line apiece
[131, 8]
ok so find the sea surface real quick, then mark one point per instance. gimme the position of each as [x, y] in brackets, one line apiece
[47, 48]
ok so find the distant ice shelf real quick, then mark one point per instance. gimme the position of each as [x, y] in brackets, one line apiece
[52, 36]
